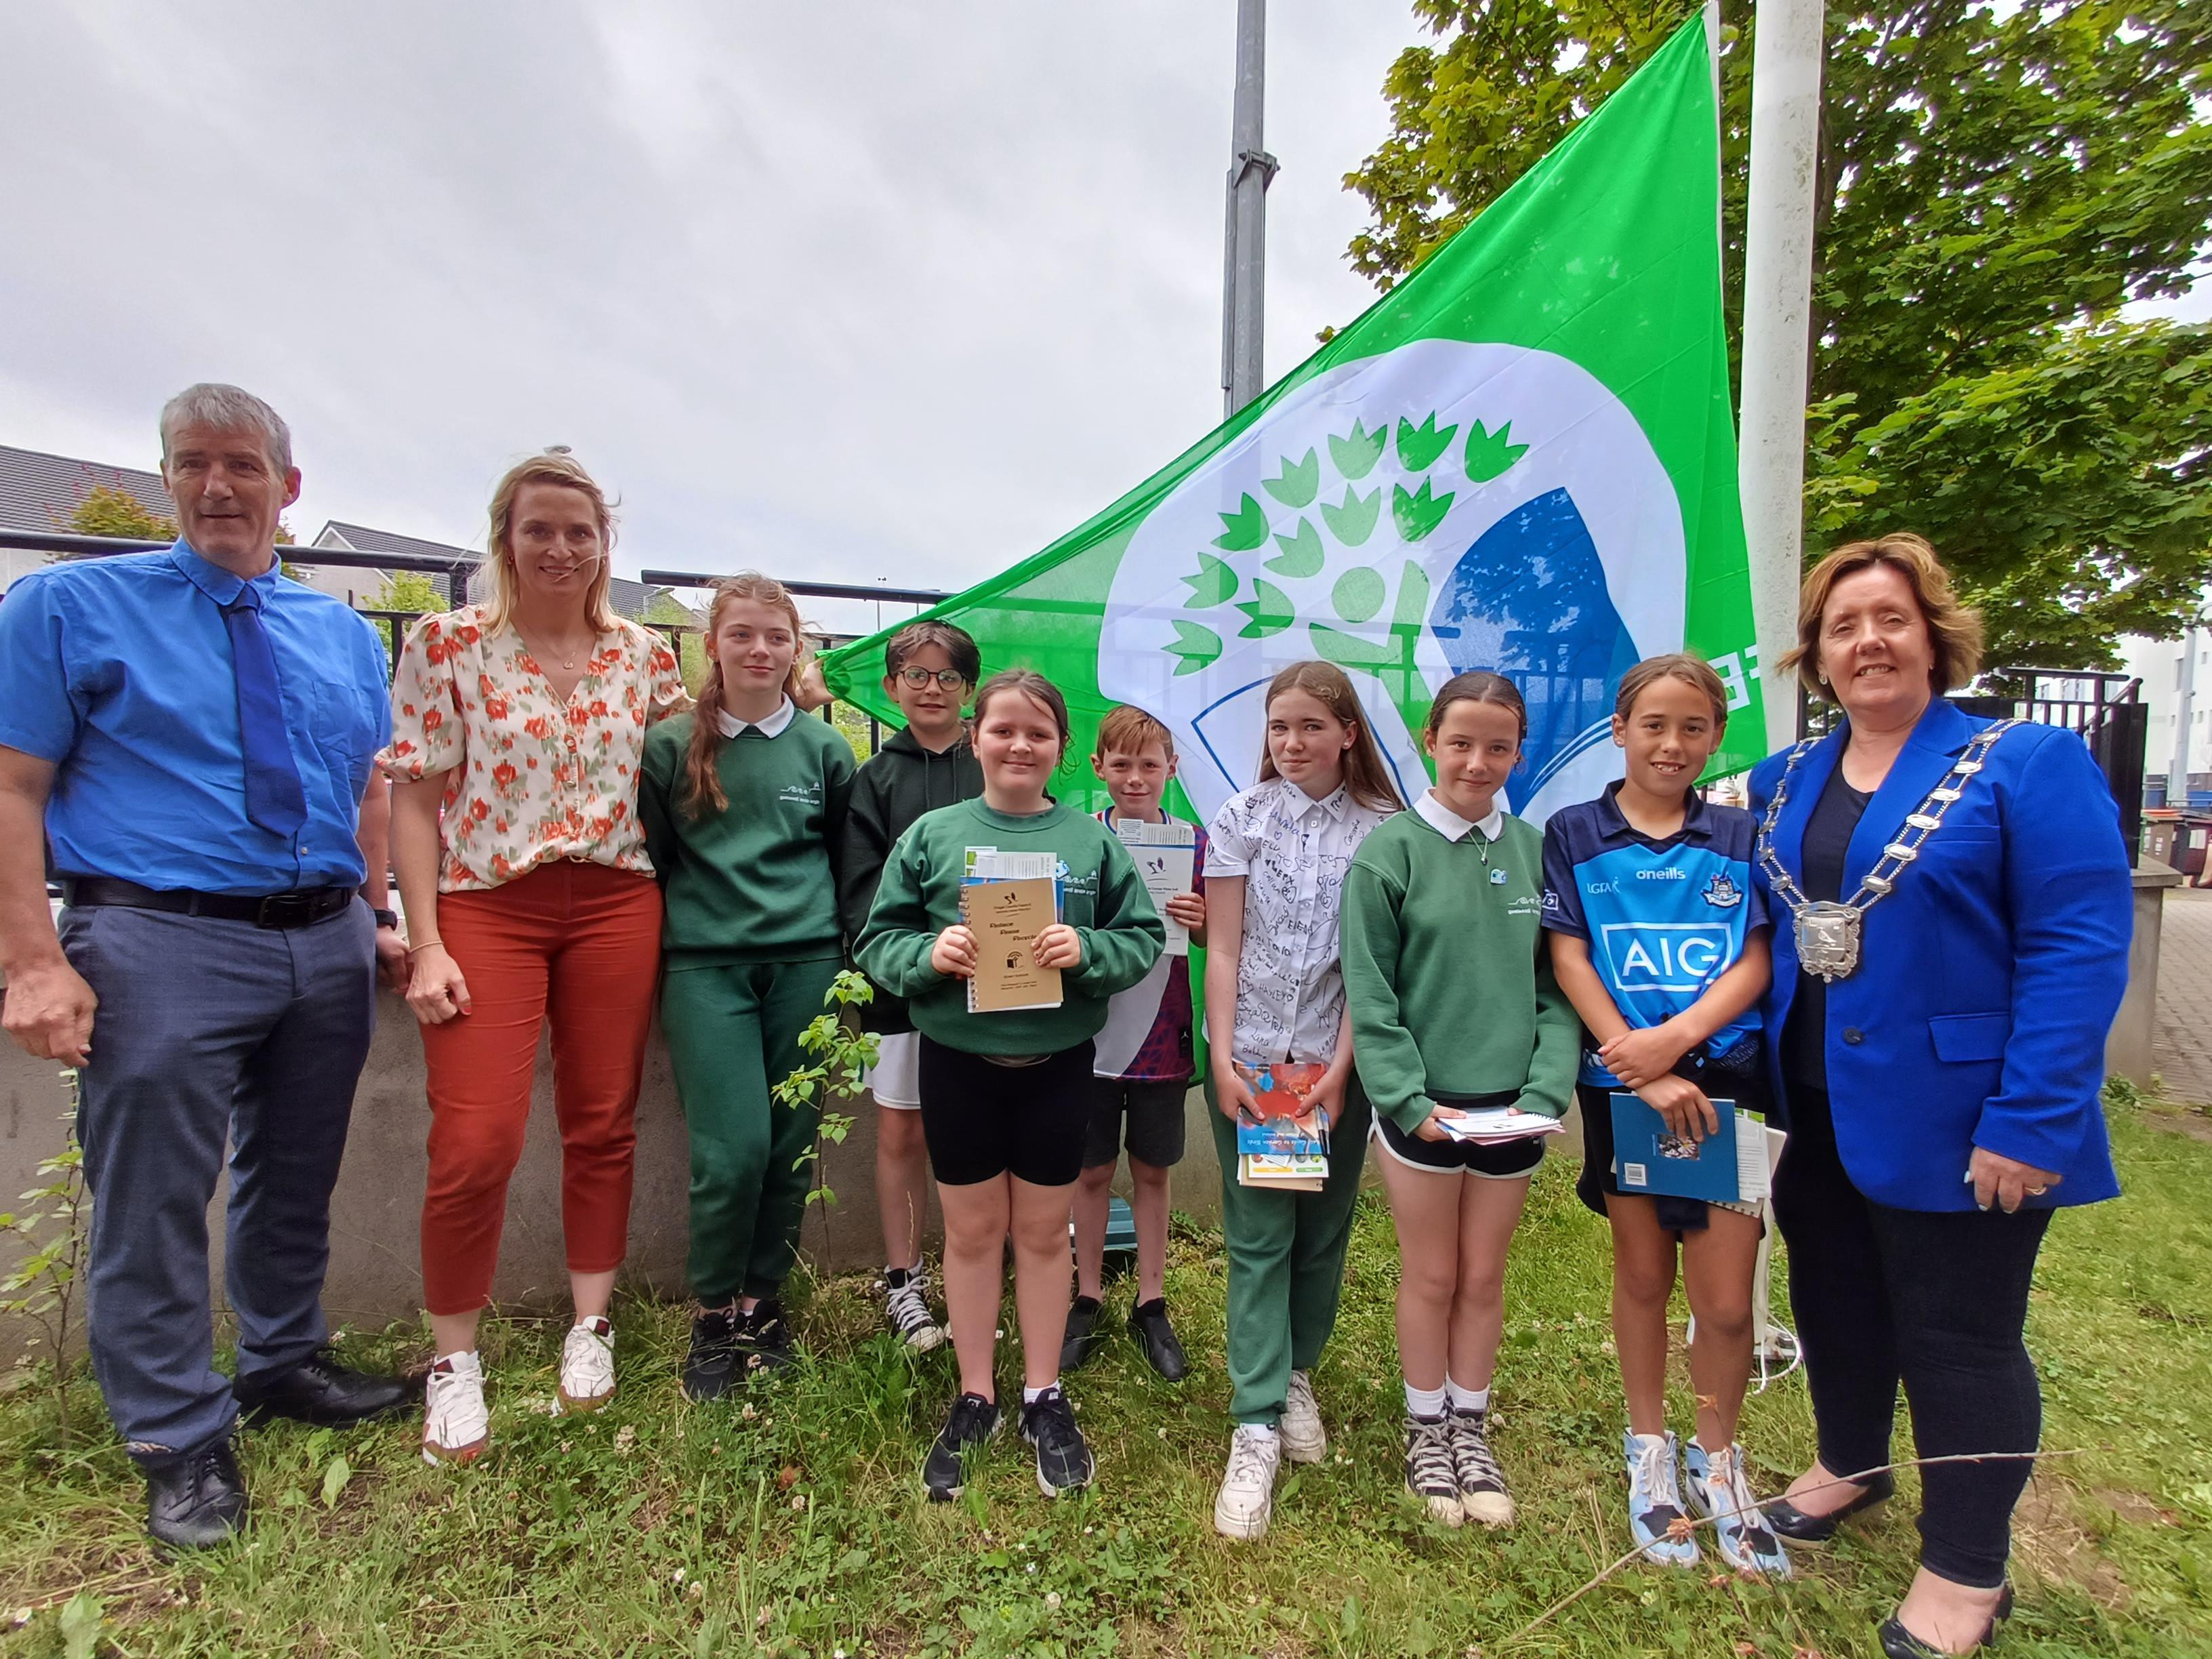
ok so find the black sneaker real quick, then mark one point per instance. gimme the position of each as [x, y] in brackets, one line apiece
[973, 1422]
[763, 1338]
[1063, 1461]
[1149, 1320]
[711, 1366]
[1082, 1340]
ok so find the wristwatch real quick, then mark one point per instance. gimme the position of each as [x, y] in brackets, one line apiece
[386, 919]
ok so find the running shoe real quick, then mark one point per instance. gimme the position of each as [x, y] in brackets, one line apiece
[1064, 1463]
[455, 1426]
[969, 1427]
[1247, 1497]
[1654, 1499]
[1719, 1492]
[1304, 1440]
[587, 1366]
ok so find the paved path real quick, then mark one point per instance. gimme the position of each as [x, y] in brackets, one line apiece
[2182, 1051]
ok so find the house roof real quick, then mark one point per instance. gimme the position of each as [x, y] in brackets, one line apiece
[39, 491]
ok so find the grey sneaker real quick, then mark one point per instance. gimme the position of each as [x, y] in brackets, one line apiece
[1304, 1440]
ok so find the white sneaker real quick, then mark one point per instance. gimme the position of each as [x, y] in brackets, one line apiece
[1304, 1440]
[1247, 1498]
[907, 1309]
[1718, 1490]
[456, 1427]
[587, 1366]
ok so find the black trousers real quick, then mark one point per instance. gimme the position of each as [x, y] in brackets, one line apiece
[1936, 1300]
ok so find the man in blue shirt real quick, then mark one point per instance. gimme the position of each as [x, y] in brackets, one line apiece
[192, 735]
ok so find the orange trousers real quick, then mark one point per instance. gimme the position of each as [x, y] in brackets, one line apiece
[579, 943]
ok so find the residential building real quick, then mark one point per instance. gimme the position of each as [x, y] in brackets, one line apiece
[40, 491]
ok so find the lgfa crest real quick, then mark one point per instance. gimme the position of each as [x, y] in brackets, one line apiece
[1722, 892]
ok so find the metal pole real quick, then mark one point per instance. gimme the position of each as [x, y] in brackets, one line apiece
[2177, 774]
[1777, 314]
[1245, 250]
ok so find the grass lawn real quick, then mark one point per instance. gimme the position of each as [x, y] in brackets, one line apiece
[792, 1522]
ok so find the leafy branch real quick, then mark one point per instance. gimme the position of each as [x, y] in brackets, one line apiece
[842, 1051]
[41, 1288]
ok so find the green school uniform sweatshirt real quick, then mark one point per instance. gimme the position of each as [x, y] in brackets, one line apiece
[919, 898]
[757, 882]
[1449, 984]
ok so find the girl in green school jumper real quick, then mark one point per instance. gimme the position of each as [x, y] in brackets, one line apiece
[741, 802]
[1454, 1008]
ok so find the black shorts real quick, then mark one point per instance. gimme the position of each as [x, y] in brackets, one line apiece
[1508, 1160]
[981, 1118]
[1743, 1080]
[1155, 1112]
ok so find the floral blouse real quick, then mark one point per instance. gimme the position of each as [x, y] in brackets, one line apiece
[529, 779]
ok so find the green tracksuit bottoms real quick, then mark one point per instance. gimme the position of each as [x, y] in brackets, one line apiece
[1286, 1263]
[732, 1034]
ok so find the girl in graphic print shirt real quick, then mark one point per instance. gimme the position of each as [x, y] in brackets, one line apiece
[1275, 862]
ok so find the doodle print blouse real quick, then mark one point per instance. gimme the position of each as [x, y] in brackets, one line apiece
[1292, 851]
[529, 779]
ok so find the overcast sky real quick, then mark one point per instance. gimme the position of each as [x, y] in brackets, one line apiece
[849, 292]
[845, 292]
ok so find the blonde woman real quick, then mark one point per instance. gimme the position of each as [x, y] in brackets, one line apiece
[518, 727]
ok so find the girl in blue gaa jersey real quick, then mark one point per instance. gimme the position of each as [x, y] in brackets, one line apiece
[1659, 937]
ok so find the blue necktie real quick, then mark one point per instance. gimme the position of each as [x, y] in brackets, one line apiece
[274, 798]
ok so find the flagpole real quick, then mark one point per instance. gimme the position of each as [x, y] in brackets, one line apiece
[1245, 249]
[1778, 316]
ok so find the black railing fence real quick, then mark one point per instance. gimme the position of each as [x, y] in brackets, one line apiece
[2106, 709]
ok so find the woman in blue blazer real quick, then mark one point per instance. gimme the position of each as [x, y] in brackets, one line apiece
[1964, 886]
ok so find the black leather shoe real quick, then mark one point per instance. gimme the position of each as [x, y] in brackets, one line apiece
[1899, 1643]
[1794, 1526]
[763, 1338]
[1149, 1320]
[319, 1390]
[711, 1366]
[197, 1500]
[1081, 1339]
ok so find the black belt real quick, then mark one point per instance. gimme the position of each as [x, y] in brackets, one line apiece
[300, 908]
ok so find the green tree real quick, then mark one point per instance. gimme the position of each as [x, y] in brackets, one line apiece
[107, 511]
[1993, 186]
[410, 591]
[665, 609]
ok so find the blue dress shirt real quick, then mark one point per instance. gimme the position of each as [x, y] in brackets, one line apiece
[118, 670]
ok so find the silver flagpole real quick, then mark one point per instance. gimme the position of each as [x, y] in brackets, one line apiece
[1245, 249]
[1778, 317]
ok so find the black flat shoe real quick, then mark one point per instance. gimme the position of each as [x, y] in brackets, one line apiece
[1081, 1339]
[197, 1501]
[763, 1340]
[320, 1391]
[1149, 1320]
[1899, 1643]
[1793, 1526]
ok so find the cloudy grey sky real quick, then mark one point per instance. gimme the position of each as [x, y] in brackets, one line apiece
[847, 292]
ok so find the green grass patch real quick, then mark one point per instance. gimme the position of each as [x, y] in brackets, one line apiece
[791, 1520]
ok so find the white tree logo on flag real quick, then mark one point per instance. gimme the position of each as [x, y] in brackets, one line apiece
[1445, 506]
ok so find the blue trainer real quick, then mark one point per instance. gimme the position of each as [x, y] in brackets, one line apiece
[1654, 1499]
[1717, 1488]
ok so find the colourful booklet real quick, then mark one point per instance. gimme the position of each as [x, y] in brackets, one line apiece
[1286, 1146]
[1729, 1166]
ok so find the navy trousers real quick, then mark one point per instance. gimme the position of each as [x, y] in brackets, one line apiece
[209, 1030]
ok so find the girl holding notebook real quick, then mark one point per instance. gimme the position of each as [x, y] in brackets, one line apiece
[1457, 1022]
[1659, 937]
[1006, 1095]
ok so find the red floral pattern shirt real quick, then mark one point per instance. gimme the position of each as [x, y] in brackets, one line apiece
[528, 778]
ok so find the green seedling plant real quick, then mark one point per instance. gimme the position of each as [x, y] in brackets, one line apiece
[842, 1052]
[41, 1288]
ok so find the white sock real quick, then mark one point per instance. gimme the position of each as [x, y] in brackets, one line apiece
[1031, 1396]
[1466, 1399]
[1425, 1402]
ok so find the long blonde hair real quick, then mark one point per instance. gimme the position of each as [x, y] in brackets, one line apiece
[703, 778]
[497, 586]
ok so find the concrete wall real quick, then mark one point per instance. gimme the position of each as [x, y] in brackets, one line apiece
[2127, 1049]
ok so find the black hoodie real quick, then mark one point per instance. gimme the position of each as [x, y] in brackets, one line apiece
[901, 782]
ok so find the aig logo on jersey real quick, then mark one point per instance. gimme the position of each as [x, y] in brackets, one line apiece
[1665, 955]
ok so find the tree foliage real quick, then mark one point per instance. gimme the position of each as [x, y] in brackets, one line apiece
[411, 591]
[1994, 188]
[106, 510]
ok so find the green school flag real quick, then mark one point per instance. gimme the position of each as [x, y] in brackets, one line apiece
[1519, 458]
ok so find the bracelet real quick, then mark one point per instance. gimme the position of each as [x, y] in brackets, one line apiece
[424, 945]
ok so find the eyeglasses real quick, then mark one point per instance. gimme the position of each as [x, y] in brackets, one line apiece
[950, 679]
